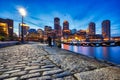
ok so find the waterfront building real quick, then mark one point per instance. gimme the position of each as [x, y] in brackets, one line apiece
[66, 31]
[33, 36]
[91, 29]
[40, 34]
[56, 23]
[116, 38]
[95, 38]
[3, 29]
[65, 25]
[83, 32]
[48, 30]
[57, 27]
[106, 30]
[80, 35]
[6, 26]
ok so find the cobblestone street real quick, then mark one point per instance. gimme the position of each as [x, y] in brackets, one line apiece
[28, 61]
[36, 62]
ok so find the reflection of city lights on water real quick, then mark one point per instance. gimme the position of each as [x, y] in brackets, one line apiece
[75, 48]
[101, 53]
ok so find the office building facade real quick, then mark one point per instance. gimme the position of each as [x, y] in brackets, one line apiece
[6, 26]
[91, 28]
[66, 31]
[106, 30]
[57, 27]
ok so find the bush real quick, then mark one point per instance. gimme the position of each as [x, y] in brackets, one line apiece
[2, 38]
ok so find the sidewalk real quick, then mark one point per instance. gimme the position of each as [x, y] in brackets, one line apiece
[38, 62]
[7, 43]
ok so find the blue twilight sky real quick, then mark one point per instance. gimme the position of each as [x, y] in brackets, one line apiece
[79, 13]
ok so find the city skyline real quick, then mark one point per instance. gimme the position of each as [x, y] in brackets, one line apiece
[77, 12]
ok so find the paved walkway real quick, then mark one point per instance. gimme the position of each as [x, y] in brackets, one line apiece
[7, 43]
[38, 62]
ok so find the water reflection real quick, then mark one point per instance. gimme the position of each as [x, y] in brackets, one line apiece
[66, 47]
[98, 53]
[103, 53]
[106, 53]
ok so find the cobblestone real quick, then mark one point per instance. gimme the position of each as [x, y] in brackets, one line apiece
[41, 78]
[69, 78]
[12, 71]
[38, 62]
[3, 70]
[20, 73]
[59, 79]
[52, 72]
[4, 76]
[32, 67]
[45, 78]
[63, 74]
[30, 75]
[13, 78]
[41, 70]
[48, 66]
[19, 65]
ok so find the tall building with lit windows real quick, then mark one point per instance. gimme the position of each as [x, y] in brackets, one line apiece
[57, 27]
[106, 30]
[91, 28]
[65, 25]
[56, 23]
[66, 31]
[6, 26]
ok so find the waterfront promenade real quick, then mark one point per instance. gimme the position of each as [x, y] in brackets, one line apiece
[36, 61]
[7, 43]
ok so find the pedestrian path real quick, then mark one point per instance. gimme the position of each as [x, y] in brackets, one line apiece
[29, 62]
[8, 43]
[36, 61]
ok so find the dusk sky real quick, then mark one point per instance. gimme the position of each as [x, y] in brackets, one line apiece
[79, 13]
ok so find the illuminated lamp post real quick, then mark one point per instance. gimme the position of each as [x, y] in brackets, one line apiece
[22, 12]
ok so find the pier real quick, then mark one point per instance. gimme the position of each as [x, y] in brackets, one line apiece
[103, 43]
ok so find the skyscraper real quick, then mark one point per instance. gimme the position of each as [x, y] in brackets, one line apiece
[91, 28]
[66, 30]
[106, 29]
[57, 27]
[65, 25]
[56, 23]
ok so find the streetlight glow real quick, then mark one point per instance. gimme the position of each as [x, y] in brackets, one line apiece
[22, 11]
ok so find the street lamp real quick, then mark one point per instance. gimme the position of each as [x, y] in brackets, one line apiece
[22, 11]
